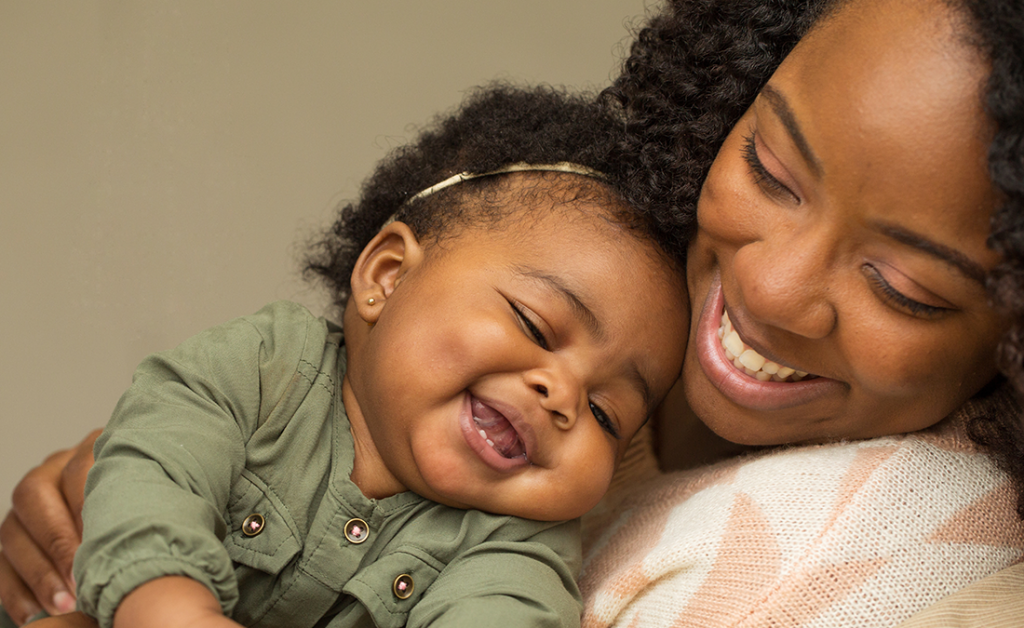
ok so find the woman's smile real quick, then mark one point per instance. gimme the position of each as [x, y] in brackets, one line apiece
[729, 363]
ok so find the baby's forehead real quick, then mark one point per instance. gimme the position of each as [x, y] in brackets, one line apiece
[525, 195]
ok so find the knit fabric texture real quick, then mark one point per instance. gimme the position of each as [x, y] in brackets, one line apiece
[863, 533]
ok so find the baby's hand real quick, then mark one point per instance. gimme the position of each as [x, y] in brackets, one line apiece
[70, 620]
[171, 602]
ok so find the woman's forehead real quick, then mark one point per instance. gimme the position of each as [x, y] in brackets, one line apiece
[888, 95]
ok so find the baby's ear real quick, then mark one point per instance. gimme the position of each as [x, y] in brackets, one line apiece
[380, 267]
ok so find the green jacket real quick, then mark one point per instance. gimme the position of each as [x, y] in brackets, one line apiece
[246, 419]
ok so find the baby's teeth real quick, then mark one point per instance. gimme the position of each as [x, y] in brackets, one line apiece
[483, 434]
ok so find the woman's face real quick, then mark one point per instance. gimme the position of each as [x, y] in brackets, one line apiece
[842, 233]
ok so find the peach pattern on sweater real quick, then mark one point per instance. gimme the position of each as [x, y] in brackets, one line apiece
[851, 534]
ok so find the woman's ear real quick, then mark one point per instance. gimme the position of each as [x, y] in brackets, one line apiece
[380, 267]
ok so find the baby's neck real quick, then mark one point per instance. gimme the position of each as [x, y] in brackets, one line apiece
[369, 472]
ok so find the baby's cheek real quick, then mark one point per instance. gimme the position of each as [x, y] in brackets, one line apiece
[598, 478]
[477, 343]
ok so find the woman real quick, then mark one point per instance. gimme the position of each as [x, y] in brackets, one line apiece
[842, 228]
[841, 231]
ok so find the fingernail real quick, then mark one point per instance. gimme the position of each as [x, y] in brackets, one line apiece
[64, 602]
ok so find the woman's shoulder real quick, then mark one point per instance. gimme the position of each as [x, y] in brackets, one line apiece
[852, 533]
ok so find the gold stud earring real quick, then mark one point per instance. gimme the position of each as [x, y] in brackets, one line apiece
[371, 301]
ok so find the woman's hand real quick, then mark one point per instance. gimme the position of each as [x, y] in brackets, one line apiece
[71, 620]
[41, 533]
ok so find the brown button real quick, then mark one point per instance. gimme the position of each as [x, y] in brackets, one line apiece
[253, 525]
[356, 531]
[403, 586]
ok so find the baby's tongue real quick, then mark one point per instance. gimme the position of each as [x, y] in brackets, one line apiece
[497, 429]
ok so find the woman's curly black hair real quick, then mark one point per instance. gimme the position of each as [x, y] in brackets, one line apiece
[698, 65]
[496, 126]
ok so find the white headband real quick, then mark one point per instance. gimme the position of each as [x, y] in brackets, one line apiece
[562, 166]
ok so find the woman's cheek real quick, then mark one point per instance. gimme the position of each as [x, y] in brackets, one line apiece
[900, 360]
[729, 209]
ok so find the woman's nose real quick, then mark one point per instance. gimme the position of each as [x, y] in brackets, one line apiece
[786, 281]
[557, 392]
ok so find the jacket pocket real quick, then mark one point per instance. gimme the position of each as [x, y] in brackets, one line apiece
[390, 586]
[261, 535]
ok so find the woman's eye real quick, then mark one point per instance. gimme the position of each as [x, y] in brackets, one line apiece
[897, 299]
[603, 420]
[528, 325]
[764, 179]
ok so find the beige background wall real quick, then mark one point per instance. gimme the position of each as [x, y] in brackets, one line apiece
[160, 162]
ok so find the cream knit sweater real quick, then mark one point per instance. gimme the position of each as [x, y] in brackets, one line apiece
[851, 534]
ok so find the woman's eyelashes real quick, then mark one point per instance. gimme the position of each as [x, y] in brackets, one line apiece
[764, 179]
[897, 299]
[538, 336]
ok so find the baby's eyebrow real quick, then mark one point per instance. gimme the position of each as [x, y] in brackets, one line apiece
[580, 310]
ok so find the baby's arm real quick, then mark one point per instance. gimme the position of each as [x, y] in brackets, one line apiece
[169, 602]
[165, 465]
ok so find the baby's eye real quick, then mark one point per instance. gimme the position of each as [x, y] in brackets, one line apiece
[529, 326]
[603, 420]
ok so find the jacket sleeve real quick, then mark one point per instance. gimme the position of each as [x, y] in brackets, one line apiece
[508, 584]
[168, 458]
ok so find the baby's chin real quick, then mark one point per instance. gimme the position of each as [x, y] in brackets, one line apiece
[535, 511]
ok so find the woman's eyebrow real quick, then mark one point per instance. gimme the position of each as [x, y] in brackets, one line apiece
[967, 267]
[780, 106]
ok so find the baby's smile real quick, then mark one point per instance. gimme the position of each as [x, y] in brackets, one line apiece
[497, 433]
[496, 430]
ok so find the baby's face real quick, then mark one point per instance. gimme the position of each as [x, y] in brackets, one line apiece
[509, 369]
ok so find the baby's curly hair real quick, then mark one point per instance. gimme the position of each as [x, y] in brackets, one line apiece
[496, 126]
[698, 65]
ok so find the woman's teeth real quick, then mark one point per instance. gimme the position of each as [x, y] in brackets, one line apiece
[751, 362]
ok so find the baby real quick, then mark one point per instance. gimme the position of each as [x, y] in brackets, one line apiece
[509, 323]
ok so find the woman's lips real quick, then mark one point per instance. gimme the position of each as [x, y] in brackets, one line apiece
[495, 433]
[735, 384]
